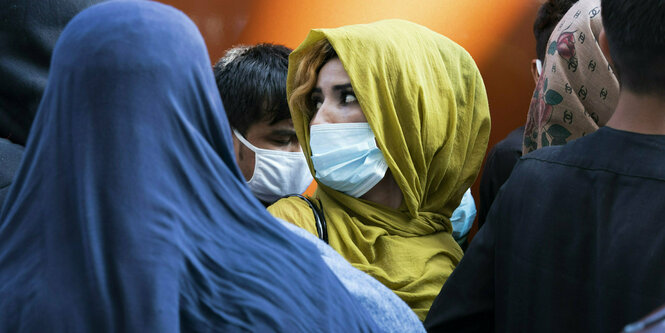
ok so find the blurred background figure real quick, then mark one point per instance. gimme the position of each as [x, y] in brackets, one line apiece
[502, 157]
[28, 32]
[577, 92]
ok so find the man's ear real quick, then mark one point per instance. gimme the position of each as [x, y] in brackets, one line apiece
[605, 47]
[534, 71]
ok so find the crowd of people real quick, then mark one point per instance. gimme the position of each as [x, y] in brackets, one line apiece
[326, 188]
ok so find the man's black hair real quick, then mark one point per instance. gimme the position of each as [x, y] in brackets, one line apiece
[252, 83]
[549, 14]
[635, 31]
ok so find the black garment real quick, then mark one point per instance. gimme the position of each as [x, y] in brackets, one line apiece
[28, 32]
[10, 158]
[652, 323]
[498, 166]
[575, 242]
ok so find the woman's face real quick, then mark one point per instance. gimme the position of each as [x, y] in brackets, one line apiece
[333, 97]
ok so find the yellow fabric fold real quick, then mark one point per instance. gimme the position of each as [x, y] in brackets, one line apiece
[424, 98]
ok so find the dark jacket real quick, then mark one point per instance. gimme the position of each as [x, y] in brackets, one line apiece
[498, 166]
[28, 32]
[575, 242]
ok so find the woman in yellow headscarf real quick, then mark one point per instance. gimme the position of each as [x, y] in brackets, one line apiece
[394, 121]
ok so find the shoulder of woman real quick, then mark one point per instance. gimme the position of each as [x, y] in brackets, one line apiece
[295, 211]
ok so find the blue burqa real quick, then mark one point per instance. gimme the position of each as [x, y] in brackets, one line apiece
[128, 212]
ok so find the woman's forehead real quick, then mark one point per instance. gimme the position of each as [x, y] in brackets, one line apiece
[332, 73]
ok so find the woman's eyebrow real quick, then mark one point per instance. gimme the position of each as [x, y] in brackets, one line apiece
[342, 86]
[337, 87]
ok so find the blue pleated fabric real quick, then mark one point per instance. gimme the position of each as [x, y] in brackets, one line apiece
[128, 212]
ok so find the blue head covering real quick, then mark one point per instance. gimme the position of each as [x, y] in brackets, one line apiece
[128, 212]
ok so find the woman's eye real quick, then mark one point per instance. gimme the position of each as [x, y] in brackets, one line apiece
[349, 98]
[316, 100]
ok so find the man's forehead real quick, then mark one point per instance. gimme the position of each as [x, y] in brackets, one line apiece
[287, 123]
[283, 127]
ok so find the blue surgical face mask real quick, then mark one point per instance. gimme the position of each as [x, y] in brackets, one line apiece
[346, 158]
[463, 216]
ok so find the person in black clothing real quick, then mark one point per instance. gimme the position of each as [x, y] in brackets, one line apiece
[28, 32]
[502, 157]
[575, 240]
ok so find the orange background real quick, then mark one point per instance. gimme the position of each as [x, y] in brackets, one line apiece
[498, 34]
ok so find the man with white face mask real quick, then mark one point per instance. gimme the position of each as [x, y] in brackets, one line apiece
[252, 84]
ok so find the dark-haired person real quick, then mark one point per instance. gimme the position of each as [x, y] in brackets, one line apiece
[575, 240]
[502, 157]
[252, 83]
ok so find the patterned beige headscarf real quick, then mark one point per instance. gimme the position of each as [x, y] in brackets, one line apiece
[577, 91]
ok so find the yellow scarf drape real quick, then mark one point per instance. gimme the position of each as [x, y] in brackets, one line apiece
[425, 100]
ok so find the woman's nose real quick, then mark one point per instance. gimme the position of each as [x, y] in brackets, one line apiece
[322, 116]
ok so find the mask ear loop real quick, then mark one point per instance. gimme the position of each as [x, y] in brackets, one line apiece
[244, 141]
[539, 67]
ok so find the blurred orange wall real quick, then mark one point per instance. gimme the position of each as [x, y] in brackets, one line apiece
[497, 33]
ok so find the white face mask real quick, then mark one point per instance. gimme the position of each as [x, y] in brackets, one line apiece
[539, 67]
[276, 173]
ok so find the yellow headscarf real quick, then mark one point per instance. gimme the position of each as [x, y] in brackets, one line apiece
[425, 100]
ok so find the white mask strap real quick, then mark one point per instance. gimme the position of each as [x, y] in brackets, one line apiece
[244, 141]
[263, 151]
